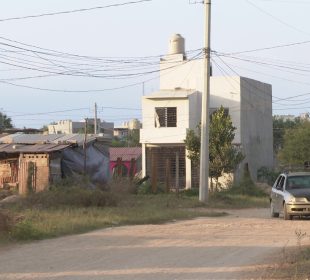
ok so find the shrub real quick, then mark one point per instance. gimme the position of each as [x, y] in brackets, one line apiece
[245, 187]
[25, 231]
[267, 175]
[191, 192]
[70, 196]
[122, 186]
[146, 188]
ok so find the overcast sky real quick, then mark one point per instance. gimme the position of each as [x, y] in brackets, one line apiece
[143, 30]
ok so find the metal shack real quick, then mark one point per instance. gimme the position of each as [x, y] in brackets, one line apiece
[35, 161]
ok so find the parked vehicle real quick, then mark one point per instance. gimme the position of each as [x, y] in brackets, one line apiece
[290, 195]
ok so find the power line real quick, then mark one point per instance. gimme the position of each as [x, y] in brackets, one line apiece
[77, 109]
[268, 48]
[52, 112]
[279, 99]
[277, 19]
[276, 66]
[166, 70]
[74, 11]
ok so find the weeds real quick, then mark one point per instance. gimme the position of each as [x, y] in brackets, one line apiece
[64, 211]
[77, 206]
[73, 196]
[295, 262]
[240, 195]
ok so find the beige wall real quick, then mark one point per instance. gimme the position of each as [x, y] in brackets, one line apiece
[256, 124]
[185, 120]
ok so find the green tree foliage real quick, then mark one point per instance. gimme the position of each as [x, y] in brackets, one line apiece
[132, 139]
[90, 129]
[192, 143]
[279, 128]
[223, 155]
[296, 147]
[5, 121]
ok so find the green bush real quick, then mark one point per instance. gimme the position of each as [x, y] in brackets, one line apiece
[267, 175]
[25, 231]
[191, 192]
[245, 187]
[70, 196]
[146, 188]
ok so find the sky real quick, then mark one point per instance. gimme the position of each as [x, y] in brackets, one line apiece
[118, 48]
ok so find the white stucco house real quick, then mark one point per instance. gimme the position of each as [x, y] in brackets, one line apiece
[176, 107]
[72, 127]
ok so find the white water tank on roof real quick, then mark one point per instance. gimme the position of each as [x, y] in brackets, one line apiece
[177, 44]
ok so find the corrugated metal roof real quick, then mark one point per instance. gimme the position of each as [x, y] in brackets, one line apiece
[74, 138]
[126, 153]
[20, 138]
[37, 148]
[42, 139]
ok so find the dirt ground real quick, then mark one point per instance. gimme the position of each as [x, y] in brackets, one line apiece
[239, 246]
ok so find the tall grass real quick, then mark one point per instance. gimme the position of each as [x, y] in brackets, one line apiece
[72, 210]
[243, 194]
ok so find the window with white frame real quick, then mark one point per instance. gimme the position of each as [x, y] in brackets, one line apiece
[166, 117]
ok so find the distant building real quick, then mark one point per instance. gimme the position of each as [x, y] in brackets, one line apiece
[122, 131]
[285, 117]
[304, 116]
[71, 127]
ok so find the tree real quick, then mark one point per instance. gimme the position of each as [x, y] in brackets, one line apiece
[296, 148]
[131, 140]
[223, 155]
[5, 121]
[279, 127]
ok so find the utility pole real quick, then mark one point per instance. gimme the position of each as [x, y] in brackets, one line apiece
[204, 147]
[95, 119]
[85, 145]
[2, 119]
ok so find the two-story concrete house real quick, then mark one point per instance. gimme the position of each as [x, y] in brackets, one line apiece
[176, 107]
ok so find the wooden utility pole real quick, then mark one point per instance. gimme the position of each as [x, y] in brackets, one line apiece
[154, 170]
[168, 174]
[85, 144]
[204, 148]
[95, 120]
[177, 172]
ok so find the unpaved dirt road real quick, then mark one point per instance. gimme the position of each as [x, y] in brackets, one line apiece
[238, 246]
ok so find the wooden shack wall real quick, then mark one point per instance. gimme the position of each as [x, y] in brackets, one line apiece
[40, 174]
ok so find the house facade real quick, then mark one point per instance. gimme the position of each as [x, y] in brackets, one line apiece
[176, 107]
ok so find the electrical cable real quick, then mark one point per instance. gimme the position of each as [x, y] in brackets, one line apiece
[74, 11]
